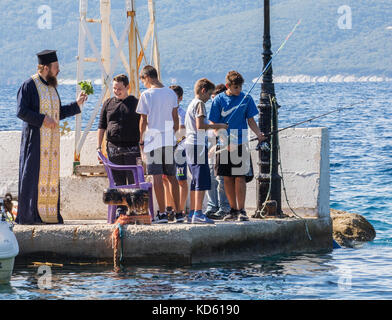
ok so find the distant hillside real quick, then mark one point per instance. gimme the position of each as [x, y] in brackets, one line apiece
[209, 37]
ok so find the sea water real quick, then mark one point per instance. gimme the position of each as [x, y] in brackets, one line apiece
[361, 182]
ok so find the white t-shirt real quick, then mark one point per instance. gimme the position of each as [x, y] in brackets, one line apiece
[158, 104]
[195, 110]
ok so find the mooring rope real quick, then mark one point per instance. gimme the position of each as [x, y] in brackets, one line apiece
[274, 110]
[270, 170]
[118, 236]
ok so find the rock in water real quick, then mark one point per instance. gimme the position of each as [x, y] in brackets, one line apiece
[350, 228]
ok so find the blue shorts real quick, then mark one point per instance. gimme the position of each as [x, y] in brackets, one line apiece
[201, 177]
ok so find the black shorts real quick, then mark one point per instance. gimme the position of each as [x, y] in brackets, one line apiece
[161, 161]
[233, 164]
[181, 169]
[123, 156]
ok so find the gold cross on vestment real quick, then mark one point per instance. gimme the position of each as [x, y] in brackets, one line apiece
[64, 129]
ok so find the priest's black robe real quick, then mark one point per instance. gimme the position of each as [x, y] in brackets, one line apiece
[29, 162]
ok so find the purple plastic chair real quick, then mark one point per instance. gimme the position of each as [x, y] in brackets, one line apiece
[140, 183]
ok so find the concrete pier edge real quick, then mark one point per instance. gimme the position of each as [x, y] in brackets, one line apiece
[86, 237]
[179, 244]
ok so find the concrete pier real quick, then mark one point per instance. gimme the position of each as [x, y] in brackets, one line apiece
[305, 163]
[86, 236]
[179, 244]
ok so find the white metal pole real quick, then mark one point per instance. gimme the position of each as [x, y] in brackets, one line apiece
[83, 4]
[132, 48]
[105, 43]
[106, 75]
[157, 62]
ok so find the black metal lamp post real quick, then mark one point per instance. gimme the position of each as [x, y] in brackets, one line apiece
[268, 155]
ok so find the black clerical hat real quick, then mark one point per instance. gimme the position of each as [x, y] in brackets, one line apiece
[46, 57]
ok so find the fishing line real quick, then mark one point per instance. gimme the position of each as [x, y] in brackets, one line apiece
[266, 67]
[274, 109]
[309, 120]
[273, 132]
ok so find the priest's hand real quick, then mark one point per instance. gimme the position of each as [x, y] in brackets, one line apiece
[49, 122]
[82, 98]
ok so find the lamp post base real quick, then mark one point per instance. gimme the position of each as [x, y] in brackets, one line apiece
[269, 210]
[268, 200]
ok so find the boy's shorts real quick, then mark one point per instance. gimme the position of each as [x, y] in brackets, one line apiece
[181, 169]
[198, 166]
[201, 178]
[233, 164]
[161, 161]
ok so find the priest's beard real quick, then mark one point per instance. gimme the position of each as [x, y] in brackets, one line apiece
[51, 79]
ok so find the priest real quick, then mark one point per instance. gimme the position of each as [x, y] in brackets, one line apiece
[40, 108]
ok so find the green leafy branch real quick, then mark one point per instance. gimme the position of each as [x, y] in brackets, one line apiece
[87, 87]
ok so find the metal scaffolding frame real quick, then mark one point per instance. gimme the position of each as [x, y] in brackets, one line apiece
[136, 55]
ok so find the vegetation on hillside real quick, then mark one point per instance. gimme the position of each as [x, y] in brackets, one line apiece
[208, 38]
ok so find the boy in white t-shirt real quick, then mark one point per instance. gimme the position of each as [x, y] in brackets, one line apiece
[158, 121]
[196, 148]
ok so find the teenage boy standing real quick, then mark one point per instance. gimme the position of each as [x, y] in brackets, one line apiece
[196, 148]
[218, 205]
[158, 121]
[121, 123]
[181, 165]
[230, 107]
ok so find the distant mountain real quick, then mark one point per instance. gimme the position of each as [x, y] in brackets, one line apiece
[209, 37]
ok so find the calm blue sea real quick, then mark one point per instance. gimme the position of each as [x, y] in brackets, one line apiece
[361, 182]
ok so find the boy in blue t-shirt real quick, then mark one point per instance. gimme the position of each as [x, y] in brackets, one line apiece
[234, 164]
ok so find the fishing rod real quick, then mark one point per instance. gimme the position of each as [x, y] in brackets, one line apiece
[266, 68]
[262, 72]
[309, 120]
[297, 124]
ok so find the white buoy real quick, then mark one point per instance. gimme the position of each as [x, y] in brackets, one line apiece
[9, 249]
